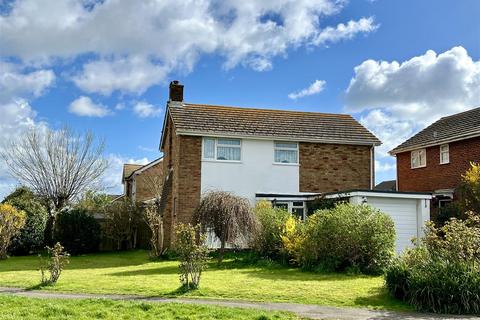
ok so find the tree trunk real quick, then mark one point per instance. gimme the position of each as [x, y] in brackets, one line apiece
[49, 230]
[222, 250]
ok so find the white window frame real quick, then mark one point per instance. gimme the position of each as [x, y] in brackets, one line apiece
[215, 139]
[291, 207]
[447, 152]
[275, 148]
[416, 153]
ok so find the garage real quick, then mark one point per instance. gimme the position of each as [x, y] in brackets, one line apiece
[408, 210]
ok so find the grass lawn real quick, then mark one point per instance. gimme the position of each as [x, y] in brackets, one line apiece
[133, 273]
[20, 308]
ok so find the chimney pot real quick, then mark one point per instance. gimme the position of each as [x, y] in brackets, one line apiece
[176, 91]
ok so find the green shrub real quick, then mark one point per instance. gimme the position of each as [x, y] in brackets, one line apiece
[192, 253]
[442, 274]
[267, 239]
[347, 237]
[78, 231]
[30, 238]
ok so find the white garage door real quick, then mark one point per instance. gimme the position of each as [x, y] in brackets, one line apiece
[403, 213]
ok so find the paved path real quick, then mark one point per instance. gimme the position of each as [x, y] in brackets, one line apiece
[303, 310]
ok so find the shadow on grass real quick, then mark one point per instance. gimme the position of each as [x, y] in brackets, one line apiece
[87, 261]
[173, 269]
[378, 298]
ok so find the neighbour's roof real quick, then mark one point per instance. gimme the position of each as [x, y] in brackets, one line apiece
[459, 126]
[389, 185]
[129, 168]
[200, 119]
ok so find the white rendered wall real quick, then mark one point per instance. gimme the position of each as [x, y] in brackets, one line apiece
[254, 173]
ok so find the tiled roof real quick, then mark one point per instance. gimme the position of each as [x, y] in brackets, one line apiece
[280, 124]
[455, 127]
[389, 185]
[129, 168]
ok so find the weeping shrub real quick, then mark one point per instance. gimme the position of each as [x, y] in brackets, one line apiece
[441, 275]
[347, 237]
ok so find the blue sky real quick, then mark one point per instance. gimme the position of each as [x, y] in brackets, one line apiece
[105, 66]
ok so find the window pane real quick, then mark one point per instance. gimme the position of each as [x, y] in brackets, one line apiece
[290, 145]
[229, 142]
[228, 153]
[209, 148]
[286, 156]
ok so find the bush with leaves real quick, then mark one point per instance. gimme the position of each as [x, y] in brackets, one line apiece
[52, 267]
[229, 216]
[267, 238]
[442, 274]
[192, 252]
[122, 219]
[78, 231]
[31, 236]
[347, 237]
[11, 222]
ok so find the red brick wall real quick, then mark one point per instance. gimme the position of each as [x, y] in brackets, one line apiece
[184, 156]
[435, 175]
[143, 181]
[334, 167]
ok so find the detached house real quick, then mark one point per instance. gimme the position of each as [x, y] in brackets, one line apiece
[142, 182]
[435, 159]
[258, 153]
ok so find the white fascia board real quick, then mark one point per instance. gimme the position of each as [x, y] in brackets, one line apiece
[148, 165]
[276, 138]
[436, 143]
[398, 195]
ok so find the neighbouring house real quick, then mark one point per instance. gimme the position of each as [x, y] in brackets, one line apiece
[435, 159]
[142, 182]
[388, 185]
[256, 153]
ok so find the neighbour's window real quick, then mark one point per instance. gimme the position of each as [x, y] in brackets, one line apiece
[222, 149]
[286, 152]
[444, 154]
[419, 158]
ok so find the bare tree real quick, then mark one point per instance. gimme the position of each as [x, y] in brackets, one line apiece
[59, 165]
[230, 217]
[154, 215]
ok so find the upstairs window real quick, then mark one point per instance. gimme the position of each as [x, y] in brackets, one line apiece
[419, 158]
[286, 152]
[222, 149]
[444, 154]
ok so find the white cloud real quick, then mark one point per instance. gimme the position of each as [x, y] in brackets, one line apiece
[407, 96]
[17, 117]
[85, 107]
[346, 31]
[316, 87]
[14, 82]
[396, 100]
[137, 44]
[385, 166]
[146, 110]
[133, 75]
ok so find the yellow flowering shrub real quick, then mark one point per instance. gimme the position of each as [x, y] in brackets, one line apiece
[11, 222]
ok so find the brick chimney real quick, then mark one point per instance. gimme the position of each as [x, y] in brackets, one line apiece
[176, 91]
